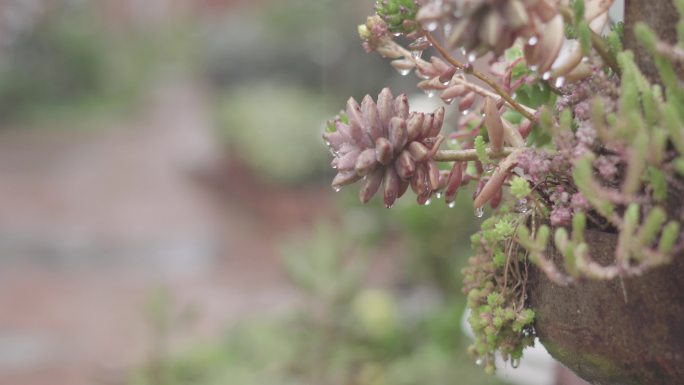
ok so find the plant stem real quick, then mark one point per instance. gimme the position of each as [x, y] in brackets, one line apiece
[489, 81]
[470, 154]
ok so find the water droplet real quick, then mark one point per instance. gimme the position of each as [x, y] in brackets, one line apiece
[430, 93]
[427, 202]
[396, 34]
[337, 188]
[534, 68]
[479, 212]
[521, 206]
[547, 75]
[472, 57]
[560, 82]
[464, 52]
[448, 101]
[334, 166]
[515, 362]
[327, 143]
[430, 25]
[533, 41]
[388, 206]
[465, 112]
[404, 71]
[448, 27]
[439, 195]
[585, 59]
[451, 205]
[479, 362]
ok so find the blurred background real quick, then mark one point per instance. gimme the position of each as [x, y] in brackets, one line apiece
[165, 210]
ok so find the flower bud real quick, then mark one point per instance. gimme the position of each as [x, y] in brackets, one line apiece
[383, 151]
[494, 125]
[397, 133]
[455, 179]
[401, 106]
[433, 175]
[414, 126]
[405, 165]
[427, 125]
[371, 118]
[391, 181]
[467, 101]
[419, 182]
[371, 185]
[418, 151]
[385, 109]
[437, 121]
[344, 178]
[455, 91]
[347, 161]
[355, 121]
[365, 162]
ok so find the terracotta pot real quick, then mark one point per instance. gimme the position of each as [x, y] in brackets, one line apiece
[629, 332]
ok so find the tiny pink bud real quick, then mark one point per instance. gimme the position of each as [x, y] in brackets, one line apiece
[446, 76]
[494, 125]
[490, 189]
[384, 151]
[437, 121]
[334, 139]
[365, 162]
[391, 186]
[427, 126]
[405, 165]
[403, 186]
[401, 106]
[371, 118]
[359, 137]
[397, 133]
[344, 178]
[414, 126]
[371, 185]
[418, 151]
[455, 91]
[347, 161]
[419, 182]
[467, 101]
[455, 179]
[385, 108]
[433, 175]
[424, 198]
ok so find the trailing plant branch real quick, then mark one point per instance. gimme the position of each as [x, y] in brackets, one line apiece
[467, 68]
[470, 154]
[596, 41]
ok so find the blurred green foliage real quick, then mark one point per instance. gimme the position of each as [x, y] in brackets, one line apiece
[67, 64]
[348, 330]
[276, 130]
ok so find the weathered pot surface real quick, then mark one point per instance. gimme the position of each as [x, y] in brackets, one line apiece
[622, 332]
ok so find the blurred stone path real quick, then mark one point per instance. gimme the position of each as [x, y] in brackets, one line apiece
[93, 221]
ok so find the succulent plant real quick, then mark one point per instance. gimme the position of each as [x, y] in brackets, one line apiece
[399, 15]
[385, 144]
